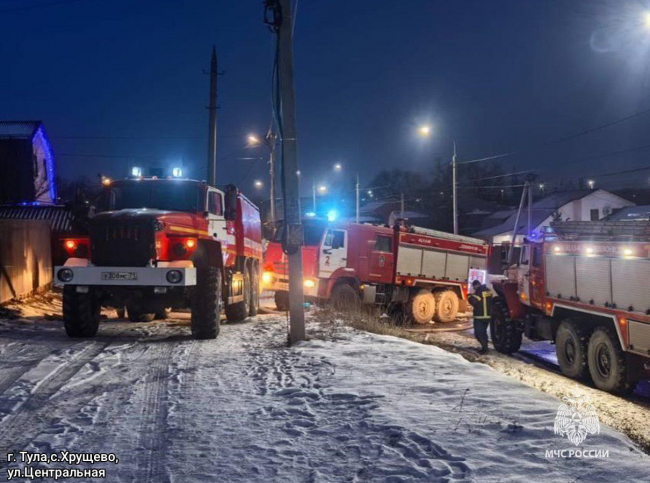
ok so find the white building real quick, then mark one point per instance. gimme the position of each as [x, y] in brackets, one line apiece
[579, 205]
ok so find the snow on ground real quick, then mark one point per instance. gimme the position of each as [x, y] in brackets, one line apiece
[344, 406]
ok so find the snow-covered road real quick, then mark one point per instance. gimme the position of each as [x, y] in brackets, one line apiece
[345, 406]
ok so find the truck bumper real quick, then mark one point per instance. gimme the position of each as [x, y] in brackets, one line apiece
[126, 276]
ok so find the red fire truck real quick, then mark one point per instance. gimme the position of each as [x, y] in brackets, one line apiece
[587, 289]
[164, 243]
[422, 272]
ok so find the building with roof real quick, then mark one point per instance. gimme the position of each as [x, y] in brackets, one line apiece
[577, 205]
[631, 213]
[27, 168]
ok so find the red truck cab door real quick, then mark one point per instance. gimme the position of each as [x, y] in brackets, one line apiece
[382, 259]
[536, 277]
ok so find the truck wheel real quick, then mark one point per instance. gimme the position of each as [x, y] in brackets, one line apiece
[345, 298]
[571, 342]
[136, 315]
[80, 313]
[281, 301]
[421, 307]
[120, 312]
[254, 292]
[239, 311]
[446, 306]
[506, 334]
[607, 364]
[206, 303]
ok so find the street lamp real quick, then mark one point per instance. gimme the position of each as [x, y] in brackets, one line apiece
[591, 183]
[258, 184]
[322, 189]
[338, 167]
[253, 140]
[646, 19]
[425, 131]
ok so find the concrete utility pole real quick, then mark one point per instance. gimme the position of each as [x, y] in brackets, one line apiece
[293, 228]
[212, 132]
[453, 190]
[401, 204]
[313, 194]
[357, 188]
[270, 141]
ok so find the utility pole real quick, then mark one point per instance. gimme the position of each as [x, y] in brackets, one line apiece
[212, 132]
[313, 194]
[293, 229]
[401, 203]
[453, 190]
[357, 188]
[270, 141]
[513, 240]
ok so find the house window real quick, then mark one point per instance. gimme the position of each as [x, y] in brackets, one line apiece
[595, 215]
[382, 243]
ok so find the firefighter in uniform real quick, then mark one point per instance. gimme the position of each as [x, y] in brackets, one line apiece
[481, 301]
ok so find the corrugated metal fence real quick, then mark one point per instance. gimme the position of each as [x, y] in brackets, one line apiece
[25, 257]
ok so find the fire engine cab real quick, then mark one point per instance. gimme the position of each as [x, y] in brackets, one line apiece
[159, 243]
[585, 287]
[423, 273]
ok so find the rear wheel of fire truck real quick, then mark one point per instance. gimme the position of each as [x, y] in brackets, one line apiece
[446, 306]
[206, 303]
[571, 343]
[282, 301]
[345, 298]
[607, 364]
[137, 315]
[240, 310]
[254, 291]
[421, 307]
[81, 313]
[505, 333]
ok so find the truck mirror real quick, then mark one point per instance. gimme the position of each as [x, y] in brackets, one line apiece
[230, 212]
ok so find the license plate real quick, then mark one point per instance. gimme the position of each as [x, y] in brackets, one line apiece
[119, 275]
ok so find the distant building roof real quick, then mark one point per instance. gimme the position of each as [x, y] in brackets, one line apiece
[60, 217]
[18, 129]
[631, 213]
[541, 210]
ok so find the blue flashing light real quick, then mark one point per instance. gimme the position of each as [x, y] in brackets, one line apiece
[310, 214]
[136, 172]
[332, 215]
[177, 172]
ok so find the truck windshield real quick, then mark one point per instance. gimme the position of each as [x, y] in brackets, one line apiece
[160, 195]
[312, 232]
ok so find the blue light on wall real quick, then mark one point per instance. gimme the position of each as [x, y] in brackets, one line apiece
[49, 161]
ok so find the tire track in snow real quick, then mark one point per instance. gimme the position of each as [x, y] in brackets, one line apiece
[152, 441]
[33, 414]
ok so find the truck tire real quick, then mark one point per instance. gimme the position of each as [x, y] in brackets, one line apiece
[162, 315]
[571, 342]
[254, 292]
[506, 334]
[281, 301]
[446, 306]
[120, 312]
[206, 303]
[421, 307]
[81, 313]
[607, 364]
[136, 315]
[345, 298]
[239, 311]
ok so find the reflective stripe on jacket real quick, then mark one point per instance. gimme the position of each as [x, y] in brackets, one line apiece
[481, 301]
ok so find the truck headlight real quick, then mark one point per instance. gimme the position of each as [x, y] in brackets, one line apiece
[65, 275]
[174, 276]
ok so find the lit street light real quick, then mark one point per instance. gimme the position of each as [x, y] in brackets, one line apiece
[322, 189]
[591, 183]
[338, 167]
[425, 130]
[253, 140]
[258, 184]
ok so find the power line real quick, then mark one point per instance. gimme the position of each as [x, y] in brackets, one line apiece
[560, 140]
